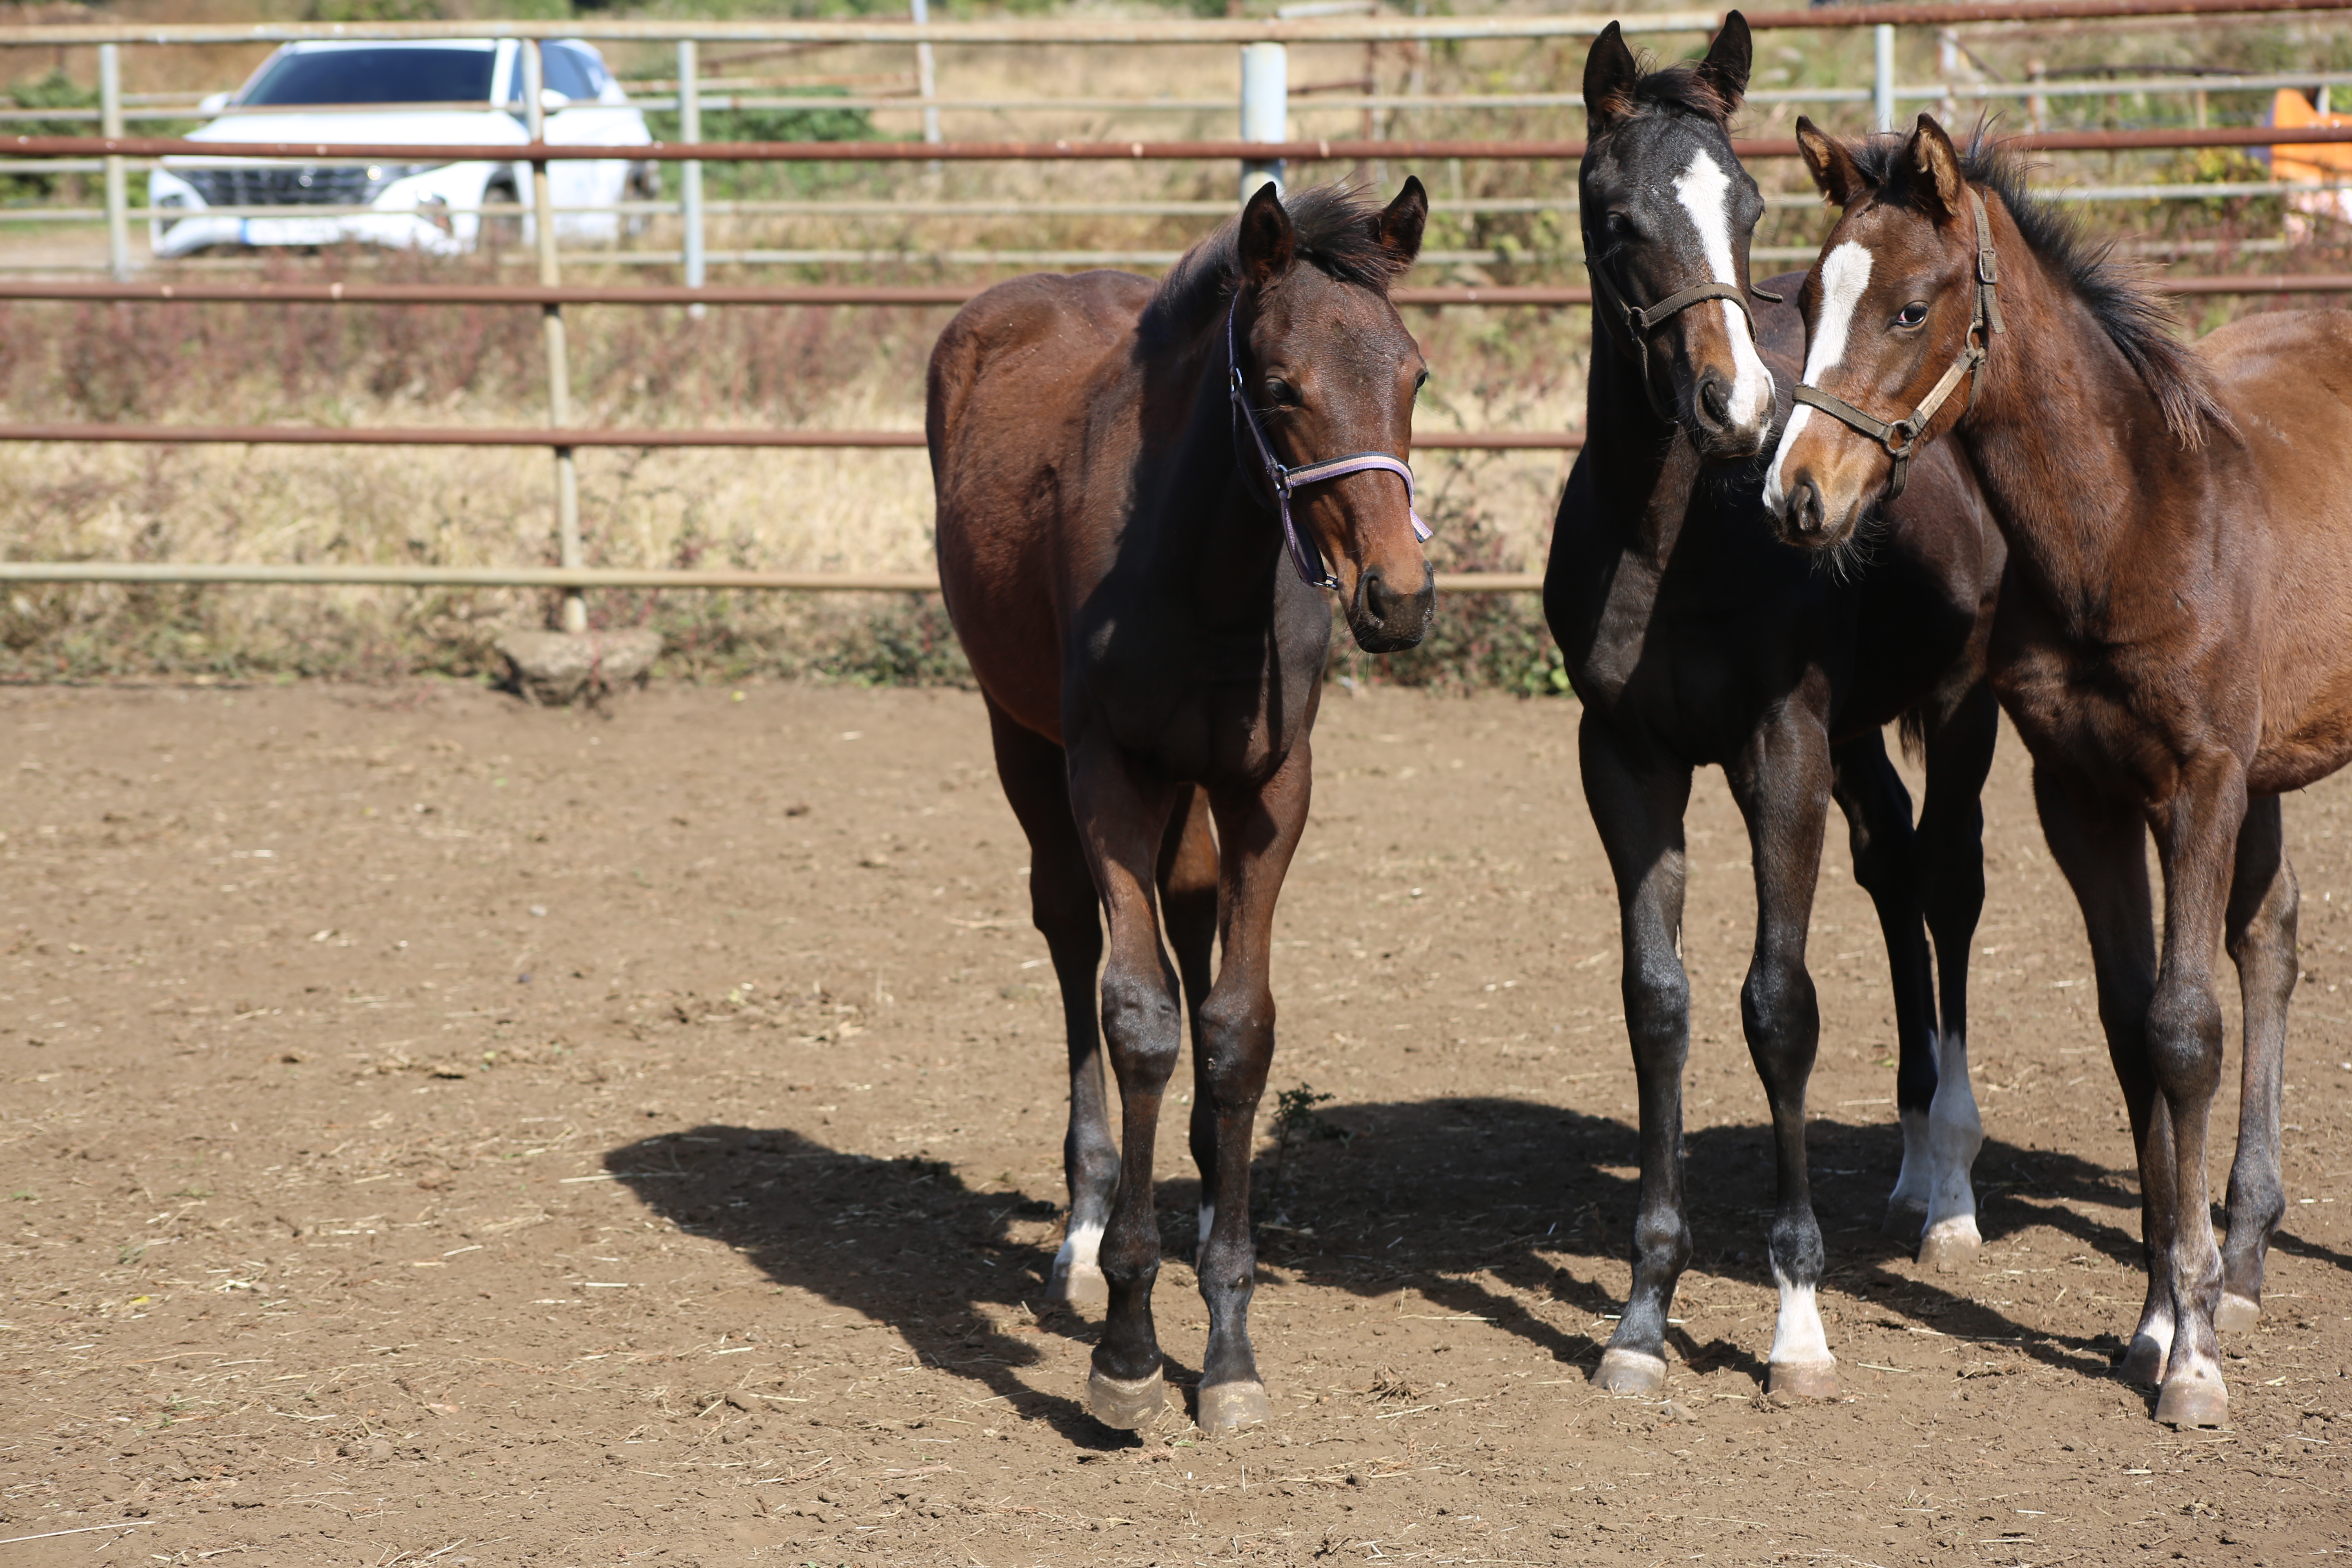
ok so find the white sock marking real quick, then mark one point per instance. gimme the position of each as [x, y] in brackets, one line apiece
[1079, 1248]
[1200, 1237]
[1955, 1133]
[1846, 273]
[1797, 1338]
[1704, 190]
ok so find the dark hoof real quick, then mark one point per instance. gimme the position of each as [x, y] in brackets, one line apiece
[1903, 1219]
[2143, 1363]
[1230, 1407]
[1629, 1372]
[1081, 1287]
[2237, 1314]
[2193, 1398]
[1951, 1246]
[1124, 1405]
[1804, 1380]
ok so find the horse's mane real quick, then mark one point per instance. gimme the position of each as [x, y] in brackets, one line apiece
[1338, 231]
[2117, 294]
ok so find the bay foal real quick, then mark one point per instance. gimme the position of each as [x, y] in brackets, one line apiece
[1135, 534]
[1693, 638]
[2175, 644]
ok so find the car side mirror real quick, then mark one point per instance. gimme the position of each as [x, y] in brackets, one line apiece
[551, 98]
[212, 103]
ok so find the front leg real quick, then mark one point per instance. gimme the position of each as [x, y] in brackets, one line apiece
[2196, 838]
[1783, 786]
[1257, 832]
[1121, 813]
[1637, 804]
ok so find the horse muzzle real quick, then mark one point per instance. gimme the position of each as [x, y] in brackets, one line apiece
[1388, 617]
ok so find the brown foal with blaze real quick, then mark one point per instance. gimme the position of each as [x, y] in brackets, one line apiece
[1134, 536]
[2174, 642]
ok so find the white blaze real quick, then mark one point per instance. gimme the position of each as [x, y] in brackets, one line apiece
[1846, 273]
[1704, 191]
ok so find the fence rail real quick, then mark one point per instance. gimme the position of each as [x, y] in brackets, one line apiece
[1101, 30]
[1327, 150]
[114, 151]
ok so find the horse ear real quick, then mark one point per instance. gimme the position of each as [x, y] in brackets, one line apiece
[1400, 223]
[1610, 74]
[1728, 59]
[1833, 169]
[1933, 168]
[1268, 243]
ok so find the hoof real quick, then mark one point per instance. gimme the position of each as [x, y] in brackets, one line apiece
[1804, 1380]
[2193, 1399]
[1124, 1405]
[1629, 1372]
[1950, 1246]
[2143, 1363]
[1230, 1407]
[2237, 1314]
[1083, 1287]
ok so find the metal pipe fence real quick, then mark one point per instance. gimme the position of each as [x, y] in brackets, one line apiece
[1264, 149]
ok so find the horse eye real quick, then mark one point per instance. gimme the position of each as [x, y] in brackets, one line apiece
[1618, 224]
[1281, 393]
[1420, 381]
[1911, 315]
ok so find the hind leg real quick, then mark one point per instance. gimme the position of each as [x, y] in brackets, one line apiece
[1063, 905]
[1188, 908]
[2264, 900]
[1878, 829]
[1952, 890]
[2103, 854]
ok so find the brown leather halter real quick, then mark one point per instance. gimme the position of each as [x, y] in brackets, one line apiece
[1901, 437]
[1640, 321]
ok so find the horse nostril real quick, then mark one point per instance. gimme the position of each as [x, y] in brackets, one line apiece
[1714, 401]
[1378, 597]
[1810, 515]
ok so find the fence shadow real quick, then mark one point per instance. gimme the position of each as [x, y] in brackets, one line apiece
[1441, 1195]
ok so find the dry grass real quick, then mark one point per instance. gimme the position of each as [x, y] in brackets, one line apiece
[846, 368]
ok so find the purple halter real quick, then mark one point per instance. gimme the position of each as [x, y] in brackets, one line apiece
[1283, 481]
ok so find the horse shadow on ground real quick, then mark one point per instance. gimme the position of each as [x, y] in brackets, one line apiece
[1446, 1196]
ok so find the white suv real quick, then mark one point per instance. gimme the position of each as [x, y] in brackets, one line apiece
[448, 93]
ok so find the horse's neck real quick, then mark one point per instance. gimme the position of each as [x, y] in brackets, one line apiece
[2070, 445]
[1642, 473]
[1209, 528]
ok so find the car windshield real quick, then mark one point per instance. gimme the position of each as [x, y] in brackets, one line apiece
[375, 76]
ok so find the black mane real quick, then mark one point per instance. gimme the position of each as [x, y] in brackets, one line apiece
[2117, 294]
[1338, 231]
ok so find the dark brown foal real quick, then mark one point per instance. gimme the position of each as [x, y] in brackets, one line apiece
[2174, 641]
[1142, 494]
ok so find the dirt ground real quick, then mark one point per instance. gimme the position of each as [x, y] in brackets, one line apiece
[438, 1130]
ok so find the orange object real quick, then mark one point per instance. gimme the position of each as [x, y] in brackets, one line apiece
[2314, 161]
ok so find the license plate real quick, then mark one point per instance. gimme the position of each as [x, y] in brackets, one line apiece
[292, 231]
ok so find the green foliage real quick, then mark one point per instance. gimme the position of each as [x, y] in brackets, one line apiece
[735, 182]
[55, 90]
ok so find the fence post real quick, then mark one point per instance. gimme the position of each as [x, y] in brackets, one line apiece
[927, 74]
[118, 175]
[689, 174]
[558, 370]
[1265, 110]
[1882, 79]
